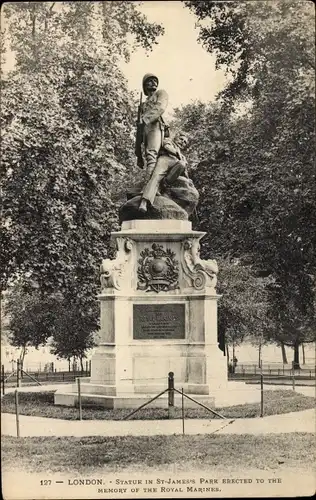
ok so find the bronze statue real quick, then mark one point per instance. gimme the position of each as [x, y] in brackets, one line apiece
[168, 192]
[170, 165]
[150, 122]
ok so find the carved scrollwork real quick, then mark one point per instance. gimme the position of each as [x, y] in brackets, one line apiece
[112, 270]
[201, 273]
[158, 269]
[199, 280]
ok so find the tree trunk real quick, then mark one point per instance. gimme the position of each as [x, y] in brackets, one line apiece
[75, 364]
[227, 353]
[284, 358]
[22, 356]
[234, 365]
[296, 360]
[81, 364]
[303, 353]
[48, 15]
[259, 356]
[227, 357]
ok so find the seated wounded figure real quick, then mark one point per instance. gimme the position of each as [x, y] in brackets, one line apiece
[167, 192]
[170, 165]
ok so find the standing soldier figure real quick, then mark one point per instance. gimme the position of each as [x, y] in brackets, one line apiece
[151, 121]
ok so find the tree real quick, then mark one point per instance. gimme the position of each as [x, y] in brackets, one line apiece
[38, 29]
[244, 303]
[254, 40]
[73, 332]
[209, 126]
[66, 106]
[29, 319]
[295, 320]
[258, 201]
[68, 122]
[35, 319]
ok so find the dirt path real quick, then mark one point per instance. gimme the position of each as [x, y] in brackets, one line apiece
[303, 421]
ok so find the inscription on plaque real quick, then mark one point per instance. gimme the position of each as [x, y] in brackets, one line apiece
[159, 321]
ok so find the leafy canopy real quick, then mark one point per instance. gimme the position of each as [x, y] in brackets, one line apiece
[68, 130]
[257, 179]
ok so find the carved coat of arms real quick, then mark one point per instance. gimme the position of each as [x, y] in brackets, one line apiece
[158, 269]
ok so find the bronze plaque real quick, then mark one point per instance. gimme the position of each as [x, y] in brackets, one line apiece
[159, 321]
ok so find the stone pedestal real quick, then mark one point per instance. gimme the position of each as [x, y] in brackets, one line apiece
[158, 315]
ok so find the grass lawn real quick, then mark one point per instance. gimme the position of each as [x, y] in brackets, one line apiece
[202, 452]
[41, 404]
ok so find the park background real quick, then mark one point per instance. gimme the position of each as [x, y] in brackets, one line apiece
[244, 92]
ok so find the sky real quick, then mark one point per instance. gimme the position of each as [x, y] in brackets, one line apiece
[185, 69]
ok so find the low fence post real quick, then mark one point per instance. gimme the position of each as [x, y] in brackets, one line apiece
[17, 413]
[2, 374]
[261, 394]
[170, 392]
[170, 389]
[182, 409]
[79, 398]
[293, 380]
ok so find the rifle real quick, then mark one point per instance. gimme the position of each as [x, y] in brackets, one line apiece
[139, 134]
